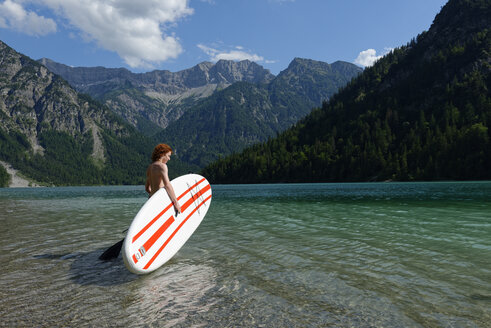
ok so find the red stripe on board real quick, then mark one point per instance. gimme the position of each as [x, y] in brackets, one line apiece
[158, 233]
[174, 233]
[142, 231]
[134, 259]
[194, 197]
[138, 235]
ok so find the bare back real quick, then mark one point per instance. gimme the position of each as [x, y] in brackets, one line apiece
[157, 177]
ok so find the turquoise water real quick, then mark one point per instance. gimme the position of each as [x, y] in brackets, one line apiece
[293, 255]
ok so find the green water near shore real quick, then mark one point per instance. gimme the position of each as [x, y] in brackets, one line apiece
[296, 255]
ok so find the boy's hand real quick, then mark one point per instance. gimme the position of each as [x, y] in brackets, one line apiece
[177, 208]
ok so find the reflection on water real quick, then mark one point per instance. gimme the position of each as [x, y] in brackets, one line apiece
[348, 255]
[178, 291]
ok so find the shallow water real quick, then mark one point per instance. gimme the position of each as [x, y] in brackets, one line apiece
[293, 255]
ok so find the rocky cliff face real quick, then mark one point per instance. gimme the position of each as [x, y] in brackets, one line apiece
[33, 100]
[42, 115]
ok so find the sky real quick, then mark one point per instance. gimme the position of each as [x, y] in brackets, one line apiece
[145, 35]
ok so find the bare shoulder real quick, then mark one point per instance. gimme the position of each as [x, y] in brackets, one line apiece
[157, 167]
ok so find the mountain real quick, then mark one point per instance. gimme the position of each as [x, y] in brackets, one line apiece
[423, 112]
[150, 101]
[246, 113]
[313, 80]
[54, 135]
[212, 110]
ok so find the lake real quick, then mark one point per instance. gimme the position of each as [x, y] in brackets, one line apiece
[280, 255]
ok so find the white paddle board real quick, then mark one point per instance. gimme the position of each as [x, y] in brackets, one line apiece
[157, 233]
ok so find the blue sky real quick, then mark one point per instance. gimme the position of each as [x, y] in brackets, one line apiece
[143, 35]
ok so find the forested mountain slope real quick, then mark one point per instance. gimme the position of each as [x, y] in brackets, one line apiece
[422, 112]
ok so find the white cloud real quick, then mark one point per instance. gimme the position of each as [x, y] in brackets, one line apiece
[237, 53]
[368, 57]
[14, 16]
[133, 29]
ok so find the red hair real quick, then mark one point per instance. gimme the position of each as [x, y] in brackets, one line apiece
[159, 151]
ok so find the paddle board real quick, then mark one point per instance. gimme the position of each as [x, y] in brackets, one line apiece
[157, 233]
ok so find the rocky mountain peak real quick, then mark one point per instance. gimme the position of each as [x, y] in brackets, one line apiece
[223, 72]
[315, 80]
[245, 70]
[302, 66]
[304, 62]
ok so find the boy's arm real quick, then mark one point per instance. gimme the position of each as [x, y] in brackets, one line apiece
[170, 190]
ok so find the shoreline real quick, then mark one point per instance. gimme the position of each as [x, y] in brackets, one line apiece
[16, 181]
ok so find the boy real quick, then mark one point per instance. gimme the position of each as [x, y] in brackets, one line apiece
[157, 174]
